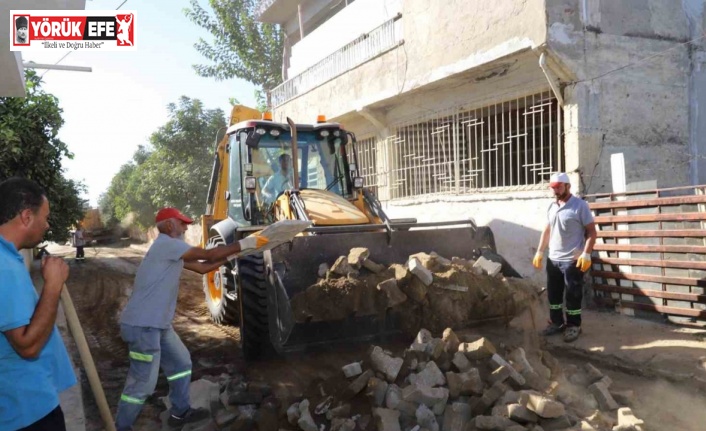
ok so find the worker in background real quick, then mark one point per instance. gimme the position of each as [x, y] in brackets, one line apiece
[79, 243]
[280, 180]
[570, 234]
[34, 365]
[146, 321]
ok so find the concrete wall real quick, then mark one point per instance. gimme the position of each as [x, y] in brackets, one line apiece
[441, 39]
[642, 111]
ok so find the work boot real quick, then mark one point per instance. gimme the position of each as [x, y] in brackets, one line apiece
[552, 329]
[191, 416]
[572, 333]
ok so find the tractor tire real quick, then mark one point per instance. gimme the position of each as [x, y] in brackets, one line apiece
[220, 290]
[254, 323]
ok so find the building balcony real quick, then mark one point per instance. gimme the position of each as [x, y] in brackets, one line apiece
[362, 49]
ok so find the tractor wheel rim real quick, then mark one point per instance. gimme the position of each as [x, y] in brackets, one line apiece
[215, 286]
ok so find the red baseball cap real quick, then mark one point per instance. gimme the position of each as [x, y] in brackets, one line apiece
[167, 213]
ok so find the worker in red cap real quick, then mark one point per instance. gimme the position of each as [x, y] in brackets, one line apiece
[146, 321]
[570, 234]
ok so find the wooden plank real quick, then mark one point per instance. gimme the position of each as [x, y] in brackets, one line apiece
[643, 192]
[652, 262]
[641, 203]
[644, 248]
[677, 233]
[686, 281]
[692, 297]
[688, 312]
[647, 218]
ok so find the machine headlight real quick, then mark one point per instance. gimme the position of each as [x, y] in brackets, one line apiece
[275, 132]
[324, 133]
[358, 182]
[260, 131]
[250, 184]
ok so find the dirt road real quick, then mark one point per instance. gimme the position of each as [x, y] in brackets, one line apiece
[100, 287]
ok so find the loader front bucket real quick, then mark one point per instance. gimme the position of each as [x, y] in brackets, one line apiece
[294, 268]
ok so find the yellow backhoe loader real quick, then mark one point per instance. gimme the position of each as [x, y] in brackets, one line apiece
[266, 171]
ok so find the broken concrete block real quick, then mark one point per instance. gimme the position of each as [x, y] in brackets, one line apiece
[478, 349]
[352, 370]
[323, 269]
[451, 339]
[440, 259]
[509, 397]
[415, 290]
[489, 267]
[601, 420]
[357, 256]
[305, 421]
[521, 414]
[603, 396]
[386, 419]
[461, 362]
[358, 384]
[418, 270]
[423, 337]
[543, 406]
[593, 373]
[468, 383]
[341, 411]
[426, 418]
[425, 395]
[373, 267]
[627, 418]
[431, 376]
[456, 417]
[493, 423]
[342, 268]
[624, 398]
[227, 417]
[342, 424]
[393, 293]
[519, 360]
[585, 426]
[516, 428]
[385, 363]
[377, 389]
[556, 424]
[437, 346]
[402, 274]
[516, 377]
[606, 381]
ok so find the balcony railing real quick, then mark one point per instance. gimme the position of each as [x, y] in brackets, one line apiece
[366, 47]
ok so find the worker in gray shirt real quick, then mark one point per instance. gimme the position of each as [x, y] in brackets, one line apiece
[570, 234]
[146, 321]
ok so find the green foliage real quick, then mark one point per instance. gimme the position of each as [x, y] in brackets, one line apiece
[174, 171]
[242, 47]
[29, 148]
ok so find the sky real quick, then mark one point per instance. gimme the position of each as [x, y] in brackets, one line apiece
[110, 111]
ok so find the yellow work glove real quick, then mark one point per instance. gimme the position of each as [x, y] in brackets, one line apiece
[537, 261]
[584, 262]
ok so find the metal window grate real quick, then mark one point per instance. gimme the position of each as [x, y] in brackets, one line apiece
[511, 145]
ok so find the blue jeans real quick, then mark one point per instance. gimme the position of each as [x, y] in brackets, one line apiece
[150, 349]
[564, 279]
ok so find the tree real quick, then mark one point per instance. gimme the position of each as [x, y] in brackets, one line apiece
[174, 170]
[29, 148]
[242, 47]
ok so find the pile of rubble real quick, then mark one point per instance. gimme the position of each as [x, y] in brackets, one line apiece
[445, 384]
[427, 291]
[436, 384]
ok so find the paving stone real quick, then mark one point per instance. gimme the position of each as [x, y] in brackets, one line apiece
[341, 411]
[426, 418]
[461, 362]
[521, 414]
[305, 421]
[373, 267]
[479, 349]
[593, 373]
[431, 376]
[293, 414]
[603, 396]
[393, 293]
[456, 417]
[492, 394]
[493, 423]
[323, 269]
[352, 370]
[556, 424]
[627, 418]
[544, 407]
[342, 267]
[419, 271]
[358, 385]
[487, 266]
[500, 375]
[516, 377]
[342, 424]
[624, 398]
[357, 256]
[377, 389]
[393, 396]
[385, 363]
[451, 339]
[386, 419]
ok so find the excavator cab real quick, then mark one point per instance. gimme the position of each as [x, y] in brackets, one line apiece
[266, 171]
